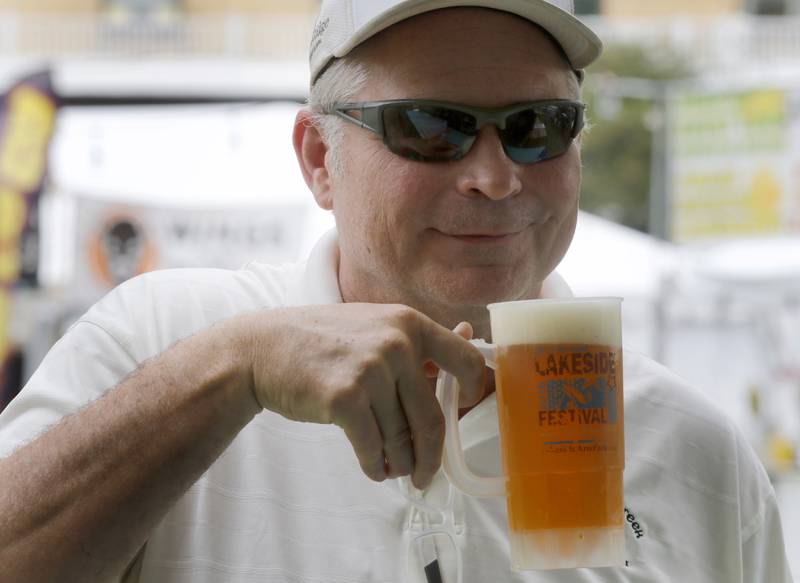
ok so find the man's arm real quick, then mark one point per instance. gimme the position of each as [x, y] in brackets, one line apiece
[78, 502]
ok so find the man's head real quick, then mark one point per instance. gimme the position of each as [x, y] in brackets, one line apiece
[446, 237]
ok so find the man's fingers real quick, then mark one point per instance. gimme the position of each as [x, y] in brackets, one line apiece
[431, 370]
[390, 414]
[457, 356]
[395, 432]
[362, 431]
[426, 423]
[464, 329]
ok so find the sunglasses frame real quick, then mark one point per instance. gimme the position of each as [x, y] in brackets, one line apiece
[372, 114]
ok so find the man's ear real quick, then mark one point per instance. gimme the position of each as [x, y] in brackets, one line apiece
[311, 150]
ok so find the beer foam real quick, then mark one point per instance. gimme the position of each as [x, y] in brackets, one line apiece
[573, 320]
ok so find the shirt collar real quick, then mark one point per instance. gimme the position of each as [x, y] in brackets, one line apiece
[320, 282]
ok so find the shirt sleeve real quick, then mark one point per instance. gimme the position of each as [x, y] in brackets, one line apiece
[85, 363]
[134, 322]
[763, 551]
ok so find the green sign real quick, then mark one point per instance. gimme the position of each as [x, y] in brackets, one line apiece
[731, 165]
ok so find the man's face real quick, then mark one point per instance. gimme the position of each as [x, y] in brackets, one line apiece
[448, 238]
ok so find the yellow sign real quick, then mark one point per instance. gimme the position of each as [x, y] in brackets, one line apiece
[23, 155]
[13, 213]
[5, 313]
[728, 203]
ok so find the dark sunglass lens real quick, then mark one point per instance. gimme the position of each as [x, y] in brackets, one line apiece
[540, 133]
[428, 133]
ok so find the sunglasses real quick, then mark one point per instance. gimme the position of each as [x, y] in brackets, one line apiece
[436, 131]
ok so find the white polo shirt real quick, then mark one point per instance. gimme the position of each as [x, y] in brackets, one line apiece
[288, 502]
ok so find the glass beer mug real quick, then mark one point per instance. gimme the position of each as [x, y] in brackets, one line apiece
[558, 367]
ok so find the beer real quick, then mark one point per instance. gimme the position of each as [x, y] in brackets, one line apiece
[560, 408]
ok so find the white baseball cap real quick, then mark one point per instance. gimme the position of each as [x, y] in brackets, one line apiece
[342, 25]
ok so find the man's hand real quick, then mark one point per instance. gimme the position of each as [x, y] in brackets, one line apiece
[363, 367]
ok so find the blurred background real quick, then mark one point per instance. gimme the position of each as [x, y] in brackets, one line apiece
[147, 134]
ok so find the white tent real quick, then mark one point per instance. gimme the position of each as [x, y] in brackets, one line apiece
[222, 157]
[609, 259]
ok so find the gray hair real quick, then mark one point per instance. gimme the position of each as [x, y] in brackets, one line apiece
[342, 81]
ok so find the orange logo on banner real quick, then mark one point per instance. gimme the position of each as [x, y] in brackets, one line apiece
[121, 250]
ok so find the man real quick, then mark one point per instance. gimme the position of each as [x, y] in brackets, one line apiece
[159, 441]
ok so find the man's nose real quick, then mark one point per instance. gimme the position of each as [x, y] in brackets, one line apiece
[488, 171]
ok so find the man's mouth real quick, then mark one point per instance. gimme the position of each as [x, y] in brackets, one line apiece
[482, 237]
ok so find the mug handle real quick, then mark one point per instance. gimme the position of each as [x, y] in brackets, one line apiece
[454, 465]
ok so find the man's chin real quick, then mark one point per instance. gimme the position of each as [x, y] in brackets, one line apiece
[483, 288]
